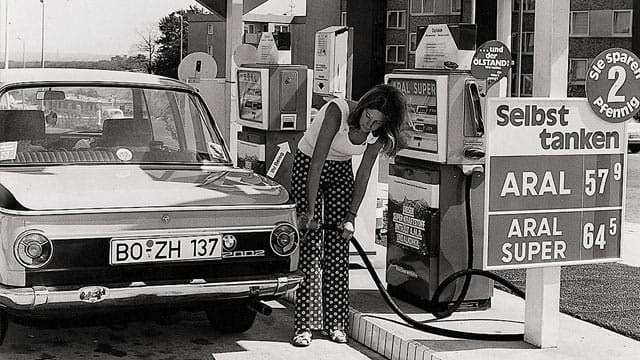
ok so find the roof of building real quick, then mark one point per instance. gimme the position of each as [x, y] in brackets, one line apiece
[84, 76]
[213, 17]
[277, 11]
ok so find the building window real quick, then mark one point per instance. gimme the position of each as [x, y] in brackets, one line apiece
[343, 18]
[395, 19]
[422, 7]
[210, 50]
[210, 29]
[527, 43]
[621, 22]
[395, 54]
[413, 44]
[527, 5]
[579, 25]
[526, 85]
[249, 28]
[456, 6]
[578, 69]
[281, 28]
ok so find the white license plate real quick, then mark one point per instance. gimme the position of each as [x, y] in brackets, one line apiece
[182, 248]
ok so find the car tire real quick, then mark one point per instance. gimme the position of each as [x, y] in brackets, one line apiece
[634, 148]
[231, 317]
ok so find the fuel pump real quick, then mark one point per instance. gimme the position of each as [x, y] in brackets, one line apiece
[432, 182]
[274, 104]
[427, 232]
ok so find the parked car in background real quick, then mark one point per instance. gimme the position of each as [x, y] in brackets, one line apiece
[148, 211]
[633, 133]
[112, 114]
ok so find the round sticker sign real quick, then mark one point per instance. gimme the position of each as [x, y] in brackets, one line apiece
[491, 61]
[613, 84]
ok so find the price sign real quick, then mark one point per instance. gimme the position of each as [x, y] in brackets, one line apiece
[613, 85]
[555, 185]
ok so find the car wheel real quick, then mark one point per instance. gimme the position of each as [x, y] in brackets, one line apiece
[634, 148]
[231, 317]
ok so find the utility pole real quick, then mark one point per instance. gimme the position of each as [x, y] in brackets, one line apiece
[42, 38]
[6, 34]
[635, 30]
[181, 31]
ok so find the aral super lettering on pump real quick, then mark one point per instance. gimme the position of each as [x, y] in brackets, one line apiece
[556, 175]
[426, 228]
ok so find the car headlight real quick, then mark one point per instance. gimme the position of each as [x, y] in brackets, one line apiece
[33, 249]
[284, 239]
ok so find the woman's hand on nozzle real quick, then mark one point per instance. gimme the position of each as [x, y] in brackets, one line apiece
[305, 220]
[348, 226]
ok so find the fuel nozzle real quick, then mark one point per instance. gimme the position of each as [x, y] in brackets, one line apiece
[314, 225]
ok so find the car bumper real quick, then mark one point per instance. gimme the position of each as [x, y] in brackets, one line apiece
[50, 298]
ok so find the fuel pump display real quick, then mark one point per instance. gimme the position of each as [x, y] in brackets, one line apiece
[250, 89]
[422, 98]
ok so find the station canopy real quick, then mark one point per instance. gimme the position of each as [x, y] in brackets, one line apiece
[273, 11]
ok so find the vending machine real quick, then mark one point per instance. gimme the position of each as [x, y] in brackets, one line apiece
[274, 104]
[426, 219]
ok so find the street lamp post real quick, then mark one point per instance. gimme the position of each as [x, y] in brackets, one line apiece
[6, 34]
[20, 37]
[42, 41]
[181, 31]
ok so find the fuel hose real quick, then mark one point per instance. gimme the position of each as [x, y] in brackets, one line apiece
[467, 273]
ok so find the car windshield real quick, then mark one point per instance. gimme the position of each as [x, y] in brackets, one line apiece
[73, 124]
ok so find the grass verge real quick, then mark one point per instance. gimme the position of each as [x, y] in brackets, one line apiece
[607, 295]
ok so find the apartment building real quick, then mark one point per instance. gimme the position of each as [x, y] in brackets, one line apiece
[594, 27]
[207, 34]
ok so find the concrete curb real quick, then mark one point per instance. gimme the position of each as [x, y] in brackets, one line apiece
[384, 342]
[380, 340]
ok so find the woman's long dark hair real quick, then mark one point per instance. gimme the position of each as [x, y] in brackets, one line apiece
[392, 104]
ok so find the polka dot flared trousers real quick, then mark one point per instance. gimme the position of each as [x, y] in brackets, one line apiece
[322, 300]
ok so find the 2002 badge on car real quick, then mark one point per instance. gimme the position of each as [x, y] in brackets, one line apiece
[143, 209]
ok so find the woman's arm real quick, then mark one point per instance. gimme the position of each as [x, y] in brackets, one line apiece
[328, 131]
[362, 179]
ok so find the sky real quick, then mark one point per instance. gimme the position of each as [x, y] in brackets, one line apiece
[72, 27]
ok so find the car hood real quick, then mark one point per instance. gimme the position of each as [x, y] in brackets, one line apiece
[129, 186]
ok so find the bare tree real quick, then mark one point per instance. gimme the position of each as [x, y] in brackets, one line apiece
[148, 45]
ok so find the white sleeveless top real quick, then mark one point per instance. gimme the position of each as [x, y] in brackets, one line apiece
[341, 148]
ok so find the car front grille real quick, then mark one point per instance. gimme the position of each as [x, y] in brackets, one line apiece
[86, 262]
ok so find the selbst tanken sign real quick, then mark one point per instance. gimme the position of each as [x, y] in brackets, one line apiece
[555, 184]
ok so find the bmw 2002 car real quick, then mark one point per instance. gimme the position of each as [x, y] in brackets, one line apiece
[144, 209]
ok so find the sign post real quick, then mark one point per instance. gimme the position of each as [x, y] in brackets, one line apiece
[556, 179]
